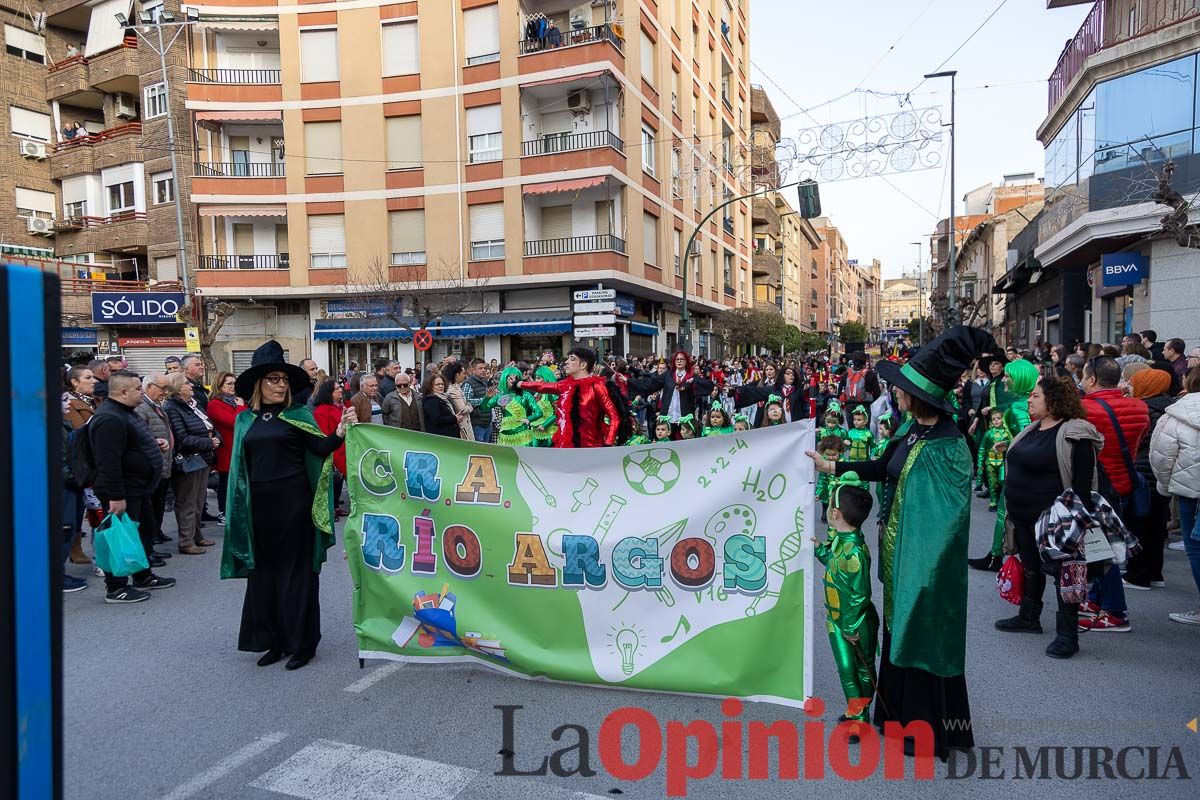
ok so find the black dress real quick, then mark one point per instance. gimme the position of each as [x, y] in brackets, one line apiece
[282, 609]
[910, 694]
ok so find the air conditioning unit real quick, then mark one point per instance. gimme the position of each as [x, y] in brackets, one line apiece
[126, 108]
[32, 149]
[579, 102]
[42, 227]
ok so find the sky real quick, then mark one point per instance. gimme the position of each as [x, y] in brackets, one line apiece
[806, 52]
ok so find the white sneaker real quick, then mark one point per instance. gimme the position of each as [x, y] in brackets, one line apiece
[1186, 617]
[1177, 546]
[1129, 585]
[99, 573]
[1159, 584]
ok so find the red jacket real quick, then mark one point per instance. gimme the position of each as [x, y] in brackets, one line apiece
[328, 417]
[222, 416]
[587, 400]
[1134, 418]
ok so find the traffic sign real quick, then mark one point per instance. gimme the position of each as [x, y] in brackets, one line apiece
[603, 307]
[600, 332]
[595, 294]
[595, 319]
[423, 340]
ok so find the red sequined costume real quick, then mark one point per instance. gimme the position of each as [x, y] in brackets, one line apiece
[581, 409]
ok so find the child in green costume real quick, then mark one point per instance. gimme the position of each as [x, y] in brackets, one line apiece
[850, 617]
[741, 423]
[862, 441]
[718, 422]
[833, 423]
[830, 447]
[545, 428]
[885, 425]
[991, 457]
[662, 429]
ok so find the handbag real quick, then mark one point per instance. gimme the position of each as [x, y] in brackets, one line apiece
[1010, 580]
[1137, 505]
[119, 549]
[190, 463]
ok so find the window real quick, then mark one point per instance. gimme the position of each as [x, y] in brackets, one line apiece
[728, 270]
[76, 209]
[648, 150]
[32, 203]
[676, 174]
[318, 55]
[484, 142]
[322, 148]
[29, 124]
[678, 245]
[482, 34]
[648, 58]
[487, 231]
[154, 101]
[649, 238]
[120, 198]
[406, 231]
[24, 44]
[403, 142]
[401, 49]
[327, 240]
[163, 184]
[166, 269]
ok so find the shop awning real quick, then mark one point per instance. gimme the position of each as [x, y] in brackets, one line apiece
[239, 116]
[564, 186]
[568, 79]
[643, 329]
[243, 211]
[531, 323]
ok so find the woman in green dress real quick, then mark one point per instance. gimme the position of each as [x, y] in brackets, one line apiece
[924, 525]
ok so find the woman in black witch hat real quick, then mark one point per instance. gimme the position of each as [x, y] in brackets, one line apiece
[279, 510]
[924, 524]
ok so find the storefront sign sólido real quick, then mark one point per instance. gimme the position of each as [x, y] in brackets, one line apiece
[140, 308]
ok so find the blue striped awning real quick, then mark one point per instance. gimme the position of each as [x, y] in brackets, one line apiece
[530, 323]
[643, 329]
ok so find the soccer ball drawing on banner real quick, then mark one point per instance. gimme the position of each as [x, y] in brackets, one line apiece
[653, 471]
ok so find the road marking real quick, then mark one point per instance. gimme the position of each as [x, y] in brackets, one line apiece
[373, 677]
[327, 770]
[225, 766]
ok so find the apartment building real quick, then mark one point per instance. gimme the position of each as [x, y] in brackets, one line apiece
[902, 300]
[868, 284]
[1121, 104]
[513, 150]
[834, 280]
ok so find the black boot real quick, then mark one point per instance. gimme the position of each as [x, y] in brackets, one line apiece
[1066, 643]
[1028, 618]
[987, 563]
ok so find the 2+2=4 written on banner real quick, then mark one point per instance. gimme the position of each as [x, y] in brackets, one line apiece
[681, 567]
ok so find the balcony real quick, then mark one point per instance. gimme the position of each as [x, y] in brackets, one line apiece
[67, 78]
[235, 75]
[277, 261]
[571, 48]
[116, 70]
[575, 244]
[568, 143]
[95, 151]
[242, 169]
[766, 264]
[763, 212]
[234, 85]
[123, 232]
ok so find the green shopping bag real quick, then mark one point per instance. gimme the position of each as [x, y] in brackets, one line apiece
[119, 549]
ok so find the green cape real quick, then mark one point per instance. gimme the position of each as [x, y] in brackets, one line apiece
[926, 597]
[237, 556]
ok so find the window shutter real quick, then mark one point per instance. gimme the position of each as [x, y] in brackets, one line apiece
[483, 119]
[29, 123]
[122, 174]
[25, 40]
[166, 268]
[647, 57]
[75, 189]
[556, 222]
[649, 238]
[482, 32]
[487, 222]
[327, 233]
[322, 148]
[318, 55]
[103, 31]
[407, 229]
[33, 199]
[401, 49]
[404, 142]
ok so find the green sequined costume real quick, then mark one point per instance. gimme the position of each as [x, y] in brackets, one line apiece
[717, 431]
[991, 460]
[849, 612]
[547, 423]
[1021, 376]
[862, 443]
[519, 409]
[824, 484]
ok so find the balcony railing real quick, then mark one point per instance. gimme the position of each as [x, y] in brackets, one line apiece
[1089, 40]
[574, 244]
[219, 169]
[69, 61]
[232, 75]
[570, 38]
[78, 223]
[278, 261]
[132, 129]
[570, 142]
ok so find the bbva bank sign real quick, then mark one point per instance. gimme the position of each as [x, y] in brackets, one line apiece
[1123, 269]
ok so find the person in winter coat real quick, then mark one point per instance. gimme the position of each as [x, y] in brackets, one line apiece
[152, 413]
[683, 390]
[402, 408]
[223, 409]
[1144, 569]
[440, 417]
[1175, 460]
[455, 374]
[79, 404]
[195, 447]
[328, 408]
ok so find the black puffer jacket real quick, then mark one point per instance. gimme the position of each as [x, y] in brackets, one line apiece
[1157, 405]
[192, 436]
[128, 461]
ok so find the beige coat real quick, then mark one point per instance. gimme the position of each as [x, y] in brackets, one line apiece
[458, 401]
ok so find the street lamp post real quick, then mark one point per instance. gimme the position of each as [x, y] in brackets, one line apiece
[161, 46]
[952, 289]
[920, 298]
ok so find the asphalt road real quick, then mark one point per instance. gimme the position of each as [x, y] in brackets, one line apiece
[160, 704]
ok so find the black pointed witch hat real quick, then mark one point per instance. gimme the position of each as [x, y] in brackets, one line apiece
[269, 358]
[933, 371]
